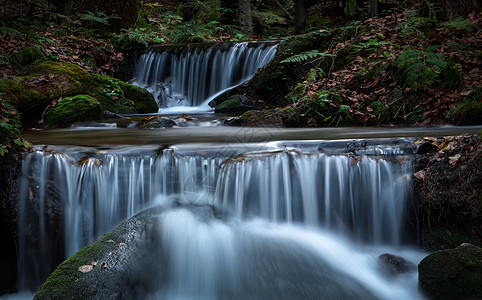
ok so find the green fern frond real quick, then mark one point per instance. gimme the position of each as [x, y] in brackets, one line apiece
[420, 69]
[459, 22]
[306, 56]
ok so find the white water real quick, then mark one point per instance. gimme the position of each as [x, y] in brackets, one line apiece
[256, 259]
[279, 198]
[185, 80]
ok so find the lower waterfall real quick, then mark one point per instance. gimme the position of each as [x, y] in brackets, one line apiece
[277, 206]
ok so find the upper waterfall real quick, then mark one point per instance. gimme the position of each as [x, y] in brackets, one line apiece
[189, 76]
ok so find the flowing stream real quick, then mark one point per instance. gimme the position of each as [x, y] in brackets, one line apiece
[291, 213]
[312, 199]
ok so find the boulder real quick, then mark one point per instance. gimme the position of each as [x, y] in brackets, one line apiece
[238, 104]
[452, 274]
[72, 109]
[118, 265]
[43, 82]
[394, 265]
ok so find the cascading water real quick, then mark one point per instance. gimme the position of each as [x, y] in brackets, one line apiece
[69, 199]
[190, 76]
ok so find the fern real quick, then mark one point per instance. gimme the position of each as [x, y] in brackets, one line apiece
[460, 22]
[420, 69]
[99, 17]
[414, 25]
[306, 56]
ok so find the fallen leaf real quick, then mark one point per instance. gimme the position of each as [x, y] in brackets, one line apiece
[420, 175]
[453, 159]
[86, 268]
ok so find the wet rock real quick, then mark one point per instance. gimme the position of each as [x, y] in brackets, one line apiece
[452, 274]
[122, 257]
[110, 115]
[156, 122]
[232, 122]
[238, 104]
[394, 265]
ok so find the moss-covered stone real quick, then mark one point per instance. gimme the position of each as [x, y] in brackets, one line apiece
[72, 109]
[119, 254]
[28, 55]
[452, 274]
[237, 104]
[119, 97]
[43, 82]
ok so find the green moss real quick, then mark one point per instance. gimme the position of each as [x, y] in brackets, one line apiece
[60, 283]
[452, 274]
[120, 97]
[232, 104]
[42, 82]
[28, 55]
[77, 108]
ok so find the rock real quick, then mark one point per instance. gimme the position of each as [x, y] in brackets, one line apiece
[135, 262]
[450, 193]
[238, 104]
[120, 97]
[110, 115]
[28, 55]
[395, 265]
[452, 274]
[124, 264]
[232, 122]
[156, 122]
[43, 82]
[72, 109]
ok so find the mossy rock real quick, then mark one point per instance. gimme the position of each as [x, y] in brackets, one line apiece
[72, 109]
[325, 109]
[119, 97]
[452, 274]
[120, 255]
[237, 104]
[28, 55]
[42, 82]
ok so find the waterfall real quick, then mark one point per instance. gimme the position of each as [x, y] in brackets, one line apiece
[190, 76]
[69, 199]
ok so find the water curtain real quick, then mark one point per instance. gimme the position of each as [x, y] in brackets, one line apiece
[192, 75]
[67, 200]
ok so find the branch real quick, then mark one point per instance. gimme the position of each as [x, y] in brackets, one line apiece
[283, 9]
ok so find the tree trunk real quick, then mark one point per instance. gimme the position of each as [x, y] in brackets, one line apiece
[372, 8]
[245, 16]
[300, 16]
